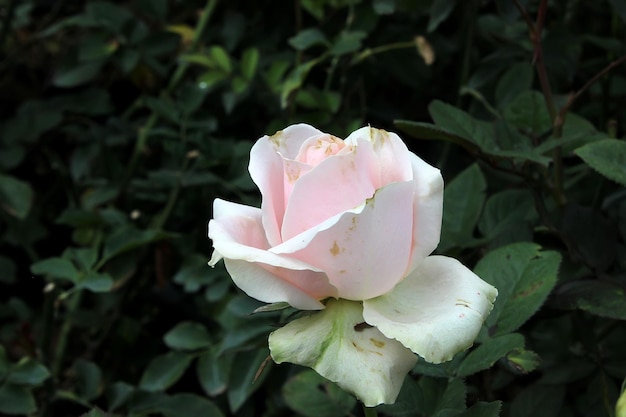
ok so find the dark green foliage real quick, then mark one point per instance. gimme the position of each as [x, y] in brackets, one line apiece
[121, 122]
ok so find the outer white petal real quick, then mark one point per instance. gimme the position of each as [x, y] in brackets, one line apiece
[427, 209]
[436, 311]
[263, 275]
[359, 359]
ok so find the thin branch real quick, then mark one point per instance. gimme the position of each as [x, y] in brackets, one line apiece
[588, 84]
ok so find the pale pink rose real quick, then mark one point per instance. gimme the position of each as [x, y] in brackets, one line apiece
[347, 227]
[339, 218]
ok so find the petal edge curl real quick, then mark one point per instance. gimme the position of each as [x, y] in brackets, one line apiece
[436, 311]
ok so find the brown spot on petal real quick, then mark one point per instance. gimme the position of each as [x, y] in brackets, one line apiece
[354, 221]
[357, 347]
[275, 138]
[293, 173]
[462, 303]
[378, 343]
[335, 249]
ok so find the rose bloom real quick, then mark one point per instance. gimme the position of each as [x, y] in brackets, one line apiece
[347, 227]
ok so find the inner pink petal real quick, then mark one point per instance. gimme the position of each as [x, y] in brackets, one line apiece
[367, 251]
[317, 148]
[394, 162]
[337, 184]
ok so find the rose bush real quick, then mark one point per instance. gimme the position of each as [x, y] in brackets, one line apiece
[347, 227]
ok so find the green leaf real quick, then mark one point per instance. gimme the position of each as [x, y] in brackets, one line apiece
[462, 124]
[238, 84]
[108, 15]
[271, 307]
[95, 412]
[482, 409]
[307, 38]
[96, 282]
[528, 113]
[213, 371]
[608, 157]
[76, 75]
[431, 132]
[347, 42]
[187, 335]
[127, 59]
[489, 352]
[221, 58]
[517, 79]
[210, 78]
[16, 400]
[384, 7]
[187, 404]
[311, 395]
[164, 107]
[294, 80]
[128, 238]
[164, 370]
[16, 196]
[462, 202]
[97, 47]
[505, 218]
[59, 268]
[249, 63]
[439, 11]
[409, 400]
[85, 258]
[28, 372]
[199, 59]
[89, 379]
[523, 361]
[442, 396]
[314, 7]
[194, 273]
[118, 394]
[538, 401]
[591, 236]
[246, 376]
[602, 298]
[524, 276]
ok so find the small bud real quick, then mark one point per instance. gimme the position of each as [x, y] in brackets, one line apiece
[425, 50]
[49, 287]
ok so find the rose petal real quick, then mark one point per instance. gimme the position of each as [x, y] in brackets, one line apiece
[259, 283]
[394, 164]
[428, 210]
[436, 311]
[335, 343]
[365, 251]
[267, 171]
[339, 183]
[262, 274]
[318, 148]
[288, 141]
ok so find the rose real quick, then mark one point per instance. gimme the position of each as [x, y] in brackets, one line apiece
[351, 222]
[344, 219]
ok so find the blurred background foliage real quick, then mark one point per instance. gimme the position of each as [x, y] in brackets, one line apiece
[120, 122]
